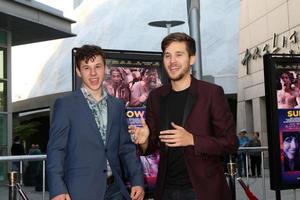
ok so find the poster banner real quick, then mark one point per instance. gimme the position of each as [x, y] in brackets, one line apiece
[288, 104]
[150, 162]
[131, 76]
[133, 85]
[282, 84]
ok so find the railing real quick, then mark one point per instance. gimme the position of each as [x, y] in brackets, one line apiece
[21, 159]
[247, 151]
[43, 158]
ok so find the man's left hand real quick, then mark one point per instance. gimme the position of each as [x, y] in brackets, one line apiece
[176, 137]
[137, 193]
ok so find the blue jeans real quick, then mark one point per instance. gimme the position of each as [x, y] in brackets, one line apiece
[113, 193]
[241, 164]
[175, 194]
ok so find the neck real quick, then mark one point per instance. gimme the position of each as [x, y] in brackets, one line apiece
[287, 89]
[182, 84]
[97, 94]
[116, 85]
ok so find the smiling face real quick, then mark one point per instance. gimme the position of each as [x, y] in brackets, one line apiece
[92, 73]
[177, 61]
[290, 146]
[151, 78]
[285, 79]
[116, 77]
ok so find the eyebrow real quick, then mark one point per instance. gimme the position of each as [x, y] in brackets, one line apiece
[290, 137]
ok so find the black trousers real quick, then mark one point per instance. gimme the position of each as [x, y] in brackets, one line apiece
[255, 165]
[176, 194]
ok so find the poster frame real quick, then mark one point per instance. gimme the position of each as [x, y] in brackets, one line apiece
[289, 62]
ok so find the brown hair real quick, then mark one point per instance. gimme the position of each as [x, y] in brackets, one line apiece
[180, 37]
[88, 52]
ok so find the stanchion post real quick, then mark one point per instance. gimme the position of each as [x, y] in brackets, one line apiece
[12, 180]
[278, 194]
[231, 167]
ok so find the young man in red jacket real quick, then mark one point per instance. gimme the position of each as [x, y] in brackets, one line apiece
[190, 122]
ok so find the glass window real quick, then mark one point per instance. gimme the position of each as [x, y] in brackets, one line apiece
[3, 68]
[3, 128]
[3, 145]
[3, 38]
[3, 95]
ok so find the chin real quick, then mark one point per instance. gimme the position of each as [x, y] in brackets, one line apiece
[176, 78]
[95, 87]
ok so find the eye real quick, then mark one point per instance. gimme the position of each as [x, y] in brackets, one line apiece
[167, 56]
[290, 139]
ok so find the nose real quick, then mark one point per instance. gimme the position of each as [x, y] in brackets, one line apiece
[293, 144]
[172, 59]
[93, 71]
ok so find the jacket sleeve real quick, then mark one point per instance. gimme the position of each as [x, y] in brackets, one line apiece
[153, 142]
[56, 150]
[223, 139]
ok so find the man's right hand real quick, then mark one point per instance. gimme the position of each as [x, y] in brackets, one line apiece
[139, 135]
[62, 197]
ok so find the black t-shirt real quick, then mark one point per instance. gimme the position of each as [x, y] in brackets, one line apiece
[177, 176]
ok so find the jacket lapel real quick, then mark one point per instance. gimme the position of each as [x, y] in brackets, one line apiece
[83, 105]
[165, 121]
[110, 111]
[191, 99]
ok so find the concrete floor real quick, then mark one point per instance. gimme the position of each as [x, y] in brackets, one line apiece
[255, 185]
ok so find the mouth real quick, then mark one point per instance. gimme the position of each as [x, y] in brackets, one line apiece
[173, 69]
[94, 81]
[292, 152]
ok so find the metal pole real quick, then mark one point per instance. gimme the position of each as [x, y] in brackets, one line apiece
[21, 173]
[247, 171]
[263, 175]
[278, 195]
[168, 28]
[231, 168]
[21, 192]
[12, 179]
[44, 178]
[194, 25]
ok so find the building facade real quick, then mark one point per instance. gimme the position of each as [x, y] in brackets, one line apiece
[266, 26]
[22, 22]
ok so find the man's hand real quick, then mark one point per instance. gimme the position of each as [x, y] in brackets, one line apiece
[62, 197]
[137, 193]
[139, 135]
[176, 137]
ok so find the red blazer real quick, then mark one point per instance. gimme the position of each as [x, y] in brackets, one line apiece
[207, 116]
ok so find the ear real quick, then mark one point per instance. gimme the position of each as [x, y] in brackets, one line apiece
[192, 60]
[78, 72]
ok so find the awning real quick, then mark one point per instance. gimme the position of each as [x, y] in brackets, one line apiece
[30, 21]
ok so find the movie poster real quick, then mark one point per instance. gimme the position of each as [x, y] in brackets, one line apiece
[132, 82]
[282, 95]
[288, 105]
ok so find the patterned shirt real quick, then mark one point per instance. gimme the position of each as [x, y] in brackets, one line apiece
[99, 110]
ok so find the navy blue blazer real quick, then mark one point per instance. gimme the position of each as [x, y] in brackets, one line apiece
[76, 154]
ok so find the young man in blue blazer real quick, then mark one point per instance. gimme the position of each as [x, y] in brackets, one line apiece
[89, 141]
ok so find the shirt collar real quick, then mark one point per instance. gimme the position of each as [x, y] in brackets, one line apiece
[90, 97]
